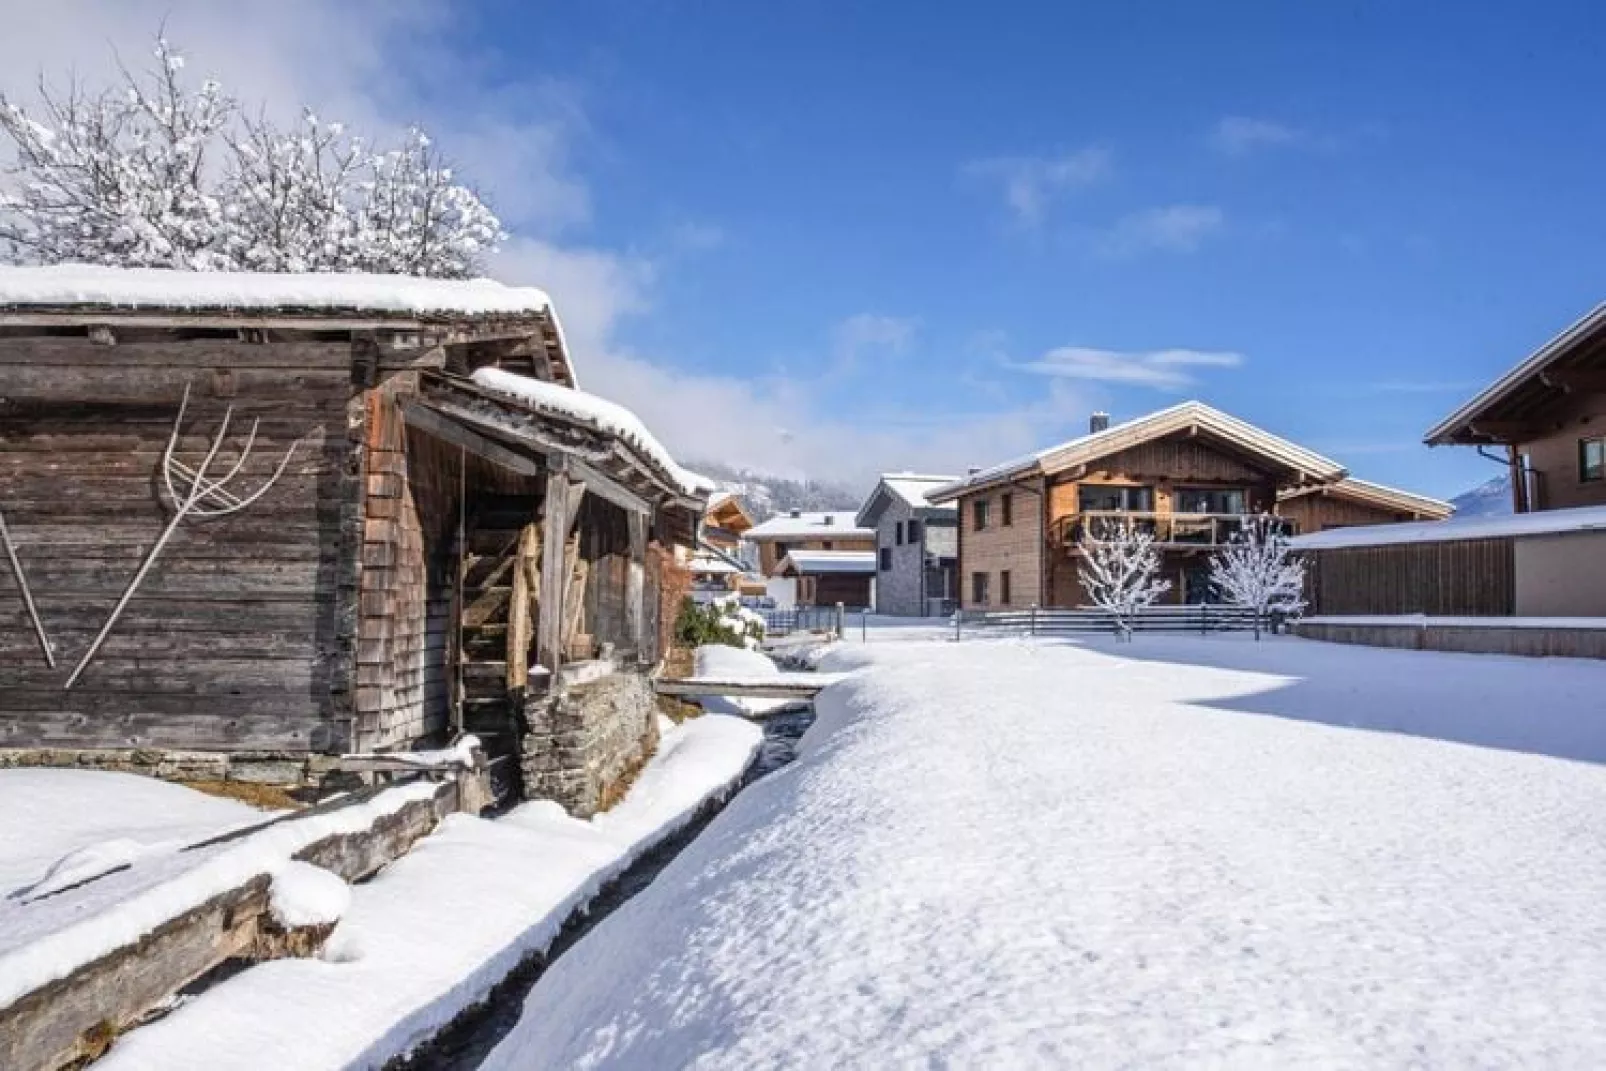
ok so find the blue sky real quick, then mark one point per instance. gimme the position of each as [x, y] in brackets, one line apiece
[833, 237]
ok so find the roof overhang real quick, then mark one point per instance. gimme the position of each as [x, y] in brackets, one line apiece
[1512, 408]
[828, 563]
[1375, 494]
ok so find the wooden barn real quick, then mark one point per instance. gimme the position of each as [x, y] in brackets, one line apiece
[254, 523]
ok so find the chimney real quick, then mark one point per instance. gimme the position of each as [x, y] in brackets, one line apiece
[829, 520]
[1098, 422]
[796, 513]
[974, 469]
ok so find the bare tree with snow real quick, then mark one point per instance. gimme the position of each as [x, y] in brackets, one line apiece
[1120, 570]
[1257, 572]
[155, 174]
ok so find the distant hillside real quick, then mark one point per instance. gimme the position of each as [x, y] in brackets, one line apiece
[765, 495]
[1492, 499]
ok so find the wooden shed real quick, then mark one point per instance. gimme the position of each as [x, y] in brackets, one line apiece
[254, 522]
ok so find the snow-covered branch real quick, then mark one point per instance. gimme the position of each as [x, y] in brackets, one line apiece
[1120, 569]
[154, 174]
[1257, 572]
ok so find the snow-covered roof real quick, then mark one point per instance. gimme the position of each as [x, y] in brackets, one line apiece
[67, 285]
[1533, 365]
[712, 565]
[910, 488]
[834, 524]
[817, 562]
[1376, 494]
[1184, 416]
[1545, 522]
[610, 417]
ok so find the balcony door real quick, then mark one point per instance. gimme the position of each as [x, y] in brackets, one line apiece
[1096, 498]
[1229, 500]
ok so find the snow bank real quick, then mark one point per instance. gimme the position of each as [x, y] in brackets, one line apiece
[307, 895]
[436, 930]
[610, 417]
[1081, 855]
[42, 940]
[159, 288]
[48, 815]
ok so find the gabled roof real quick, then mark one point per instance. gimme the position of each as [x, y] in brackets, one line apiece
[1375, 494]
[908, 488]
[827, 562]
[1539, 379]
[1545, 522]
[726, 511]
[1192, 416]
[799, 524]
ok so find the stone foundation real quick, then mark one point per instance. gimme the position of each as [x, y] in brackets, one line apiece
[288, 768]
[586, 741]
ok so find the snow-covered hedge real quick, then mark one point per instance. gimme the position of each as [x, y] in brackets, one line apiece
[723, 621]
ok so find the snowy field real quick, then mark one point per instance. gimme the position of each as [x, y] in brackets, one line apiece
[1177, 852]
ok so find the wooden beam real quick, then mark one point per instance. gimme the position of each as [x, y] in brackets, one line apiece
[1580, 380]
[521, 611]
[635, 582]
[428, 420]
[1505, 429]
[754, 688]
[609, 489]
[556, 519]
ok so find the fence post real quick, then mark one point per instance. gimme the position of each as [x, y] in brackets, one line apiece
[1204, 619]
[841, 621]
[956, 625]
[864, 626]
[1034, 619]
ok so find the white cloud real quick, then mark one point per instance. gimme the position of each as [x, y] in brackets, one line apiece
[1173, 228]
[1238, 135]
[1171, 369]
[1030, 184]
[869, 334]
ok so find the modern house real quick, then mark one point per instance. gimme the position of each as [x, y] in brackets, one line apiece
[917, 545]
[800, 530]
[829, 577]
[1189, 474]
[253, 523]
[1546, 564]
[1546, 419]
[1349, 502]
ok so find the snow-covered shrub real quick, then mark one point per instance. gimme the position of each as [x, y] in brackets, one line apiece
[1257, 572]
[156, 174]
[1120, 569]
[722, 621]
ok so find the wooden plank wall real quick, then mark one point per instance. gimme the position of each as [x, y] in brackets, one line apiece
[1318, 512]
[1459, 578]
[231, 642]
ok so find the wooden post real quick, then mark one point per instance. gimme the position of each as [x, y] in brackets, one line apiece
[521, 613]
[554, 570]
[1034, 619]
[635, 583]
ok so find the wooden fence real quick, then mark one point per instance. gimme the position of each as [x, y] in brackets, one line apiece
[1200, 618]
[1455, 578]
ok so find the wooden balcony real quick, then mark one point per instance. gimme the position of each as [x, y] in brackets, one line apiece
[1184, 531]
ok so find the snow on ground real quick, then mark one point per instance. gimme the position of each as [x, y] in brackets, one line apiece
[1177, 852]
[43, 938]
[48, 815]
[436, 930]
[720, 662]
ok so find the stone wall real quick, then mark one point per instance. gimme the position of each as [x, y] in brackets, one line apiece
[585, 742]
[291, 769]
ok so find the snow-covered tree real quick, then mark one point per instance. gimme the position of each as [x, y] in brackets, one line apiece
[1256, 571]
[1120, 569]
[154, 174]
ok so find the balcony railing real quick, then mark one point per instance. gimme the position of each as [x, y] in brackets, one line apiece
[1168, 529]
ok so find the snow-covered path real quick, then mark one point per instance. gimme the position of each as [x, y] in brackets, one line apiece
[1012, 854]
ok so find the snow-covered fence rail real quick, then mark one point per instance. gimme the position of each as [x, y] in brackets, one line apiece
[129, 958]
[1200, 618]
[801, 619]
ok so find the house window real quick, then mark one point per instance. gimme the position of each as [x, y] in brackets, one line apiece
[1003, 588]
[1591, 460]
[826, 544]
[886, 559]
[1211, 500]
[978, 514]
[913, 531]
[1099, 498]
[978, 589]
[782, 549]
[1006, 509]
[900, 533]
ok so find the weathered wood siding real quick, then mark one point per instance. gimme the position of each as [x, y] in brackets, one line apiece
[232, 641]
[1459, 578]
[1318, 512]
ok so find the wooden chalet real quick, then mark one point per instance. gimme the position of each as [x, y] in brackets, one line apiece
[1545, 420]
[829, 577]
[1316, 508]
[1189, 474]
[253, 523]
[725, 523]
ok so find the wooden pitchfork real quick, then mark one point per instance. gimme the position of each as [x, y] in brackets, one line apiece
[219, 502]
[27, 595]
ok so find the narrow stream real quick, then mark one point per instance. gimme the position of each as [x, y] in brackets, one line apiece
[465, 1044]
